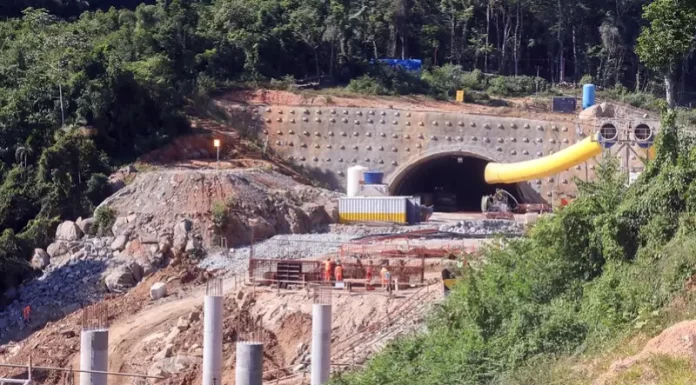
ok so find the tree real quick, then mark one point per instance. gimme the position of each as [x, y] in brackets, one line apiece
[308, 24]
[668, 40]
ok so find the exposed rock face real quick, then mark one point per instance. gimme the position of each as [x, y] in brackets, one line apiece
[68, 231]
[40, 259]
[179, 203]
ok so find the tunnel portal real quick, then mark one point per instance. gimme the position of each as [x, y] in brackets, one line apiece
[452, 183]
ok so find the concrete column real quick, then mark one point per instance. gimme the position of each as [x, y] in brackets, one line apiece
[212, 340]
[321, 344]
[249, 368]
[94, 355]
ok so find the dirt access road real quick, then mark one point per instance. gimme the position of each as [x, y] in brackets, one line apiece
[127, 332]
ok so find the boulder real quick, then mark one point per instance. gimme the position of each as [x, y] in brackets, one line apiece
[194, 316]
[182, 324]
[164, 353]
[68, 231]
[165, 245]
[156, 370]
[116, 184]
[120, 279]
[181, 235]
[262, 228]
[57, 249]
[120, 226]
[119, 243]
[298, 222]
[172, 335]
[136, 270]
[40, 259]
[317, 215]
[192, 246]
[331, 210]
[86, 226]
[158, 290]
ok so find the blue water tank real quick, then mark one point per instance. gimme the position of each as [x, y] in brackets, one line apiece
[373, 177]
[588, 95]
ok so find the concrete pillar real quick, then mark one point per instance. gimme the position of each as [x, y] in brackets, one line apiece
[249, 368]
[321, 343]
[94, 355]
[212, 340]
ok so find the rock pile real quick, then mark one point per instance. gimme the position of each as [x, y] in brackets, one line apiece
[485, 227]
[247, 202]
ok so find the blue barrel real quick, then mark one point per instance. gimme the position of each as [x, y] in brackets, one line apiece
[588, 94]
[373, 177]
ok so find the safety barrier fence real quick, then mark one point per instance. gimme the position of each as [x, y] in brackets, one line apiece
[300, 272]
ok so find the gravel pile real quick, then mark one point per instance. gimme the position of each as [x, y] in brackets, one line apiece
[485, 227]
[293, 246]
[64, 286]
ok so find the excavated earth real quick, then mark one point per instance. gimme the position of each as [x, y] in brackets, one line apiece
[258, 202]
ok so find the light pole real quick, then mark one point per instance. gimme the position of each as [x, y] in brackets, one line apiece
[216, 143]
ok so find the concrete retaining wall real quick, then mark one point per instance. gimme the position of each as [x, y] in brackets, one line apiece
[325, 141]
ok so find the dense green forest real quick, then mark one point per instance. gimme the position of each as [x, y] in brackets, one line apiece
[86, 86]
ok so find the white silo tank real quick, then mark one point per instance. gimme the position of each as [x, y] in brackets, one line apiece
[355, 179]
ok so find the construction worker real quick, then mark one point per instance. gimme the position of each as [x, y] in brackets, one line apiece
[328, 269]
[387, 276]
[339, 272]
[368, 274]
[26, 314]
[383, 274]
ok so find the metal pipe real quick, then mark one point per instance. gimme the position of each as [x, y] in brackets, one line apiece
[94, 355]
[321, 343]
[249, 368]
[13, 381]
[79, 371]
[212, 340]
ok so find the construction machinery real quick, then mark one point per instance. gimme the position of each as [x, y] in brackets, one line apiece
[502, 205]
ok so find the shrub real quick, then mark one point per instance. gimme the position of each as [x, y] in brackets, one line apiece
[475, 80]
[219, 215]
[97, 188]
[516, 85]
[587, 79]
[104, 219]
[444, 81]
[286, 83]
[366, 85]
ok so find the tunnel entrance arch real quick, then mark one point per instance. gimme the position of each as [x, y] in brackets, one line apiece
[452, 181]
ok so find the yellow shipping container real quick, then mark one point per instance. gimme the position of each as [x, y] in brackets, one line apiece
[373, 209]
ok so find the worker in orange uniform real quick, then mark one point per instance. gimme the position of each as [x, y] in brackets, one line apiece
[339, 272]
[328, 269]
[26, 314]
[368, 275]
[383, 274]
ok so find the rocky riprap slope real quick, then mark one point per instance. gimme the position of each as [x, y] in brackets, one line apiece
[160, 217]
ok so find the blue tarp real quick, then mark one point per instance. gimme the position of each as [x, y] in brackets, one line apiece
[408, 65]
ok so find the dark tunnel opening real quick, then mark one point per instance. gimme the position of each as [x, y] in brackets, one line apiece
[451, 183]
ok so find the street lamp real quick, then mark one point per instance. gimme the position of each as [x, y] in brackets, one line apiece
[216, 143]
